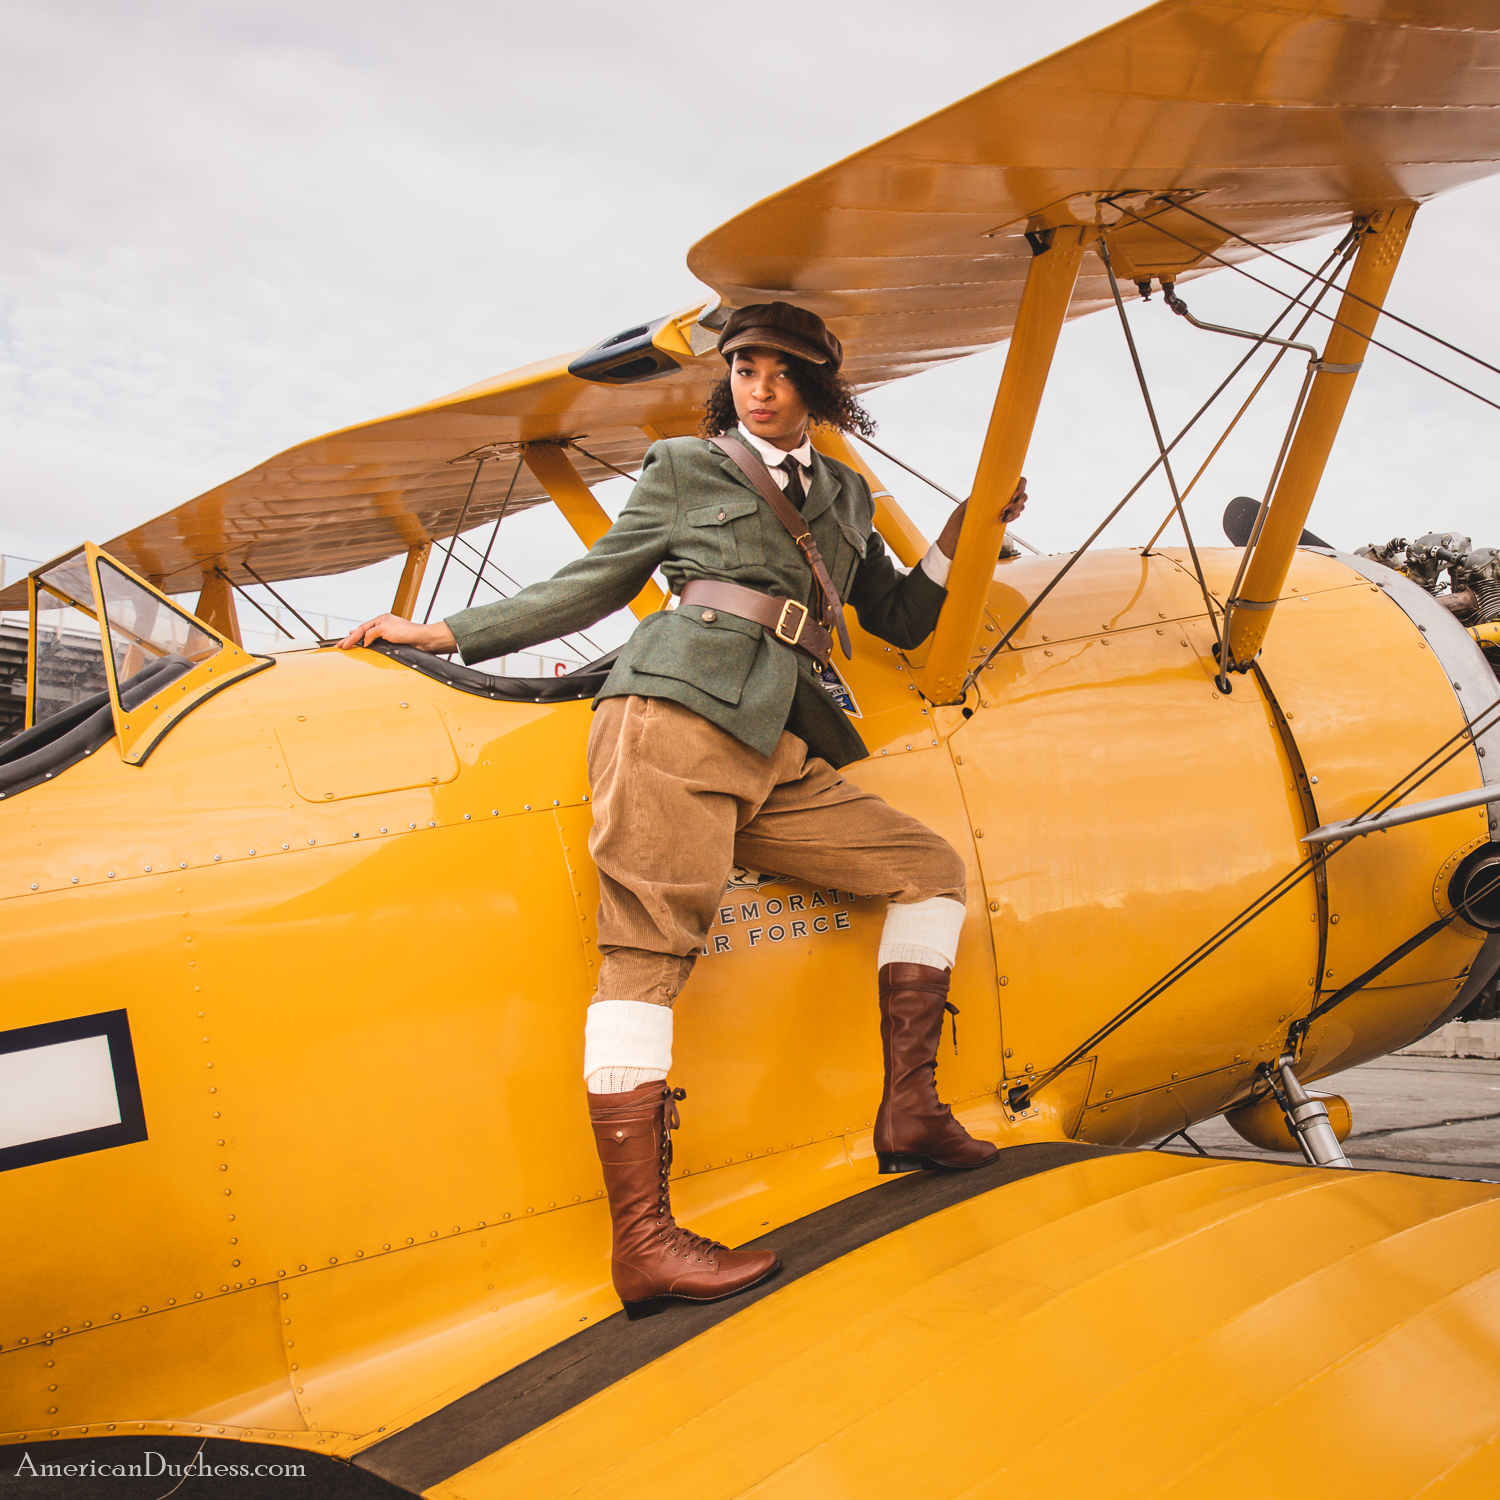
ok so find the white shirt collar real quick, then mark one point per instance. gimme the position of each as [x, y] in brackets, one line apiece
[774, 455]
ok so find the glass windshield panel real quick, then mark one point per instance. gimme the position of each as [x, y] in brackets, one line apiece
[69, 658]
[144, 628]
[70, 578]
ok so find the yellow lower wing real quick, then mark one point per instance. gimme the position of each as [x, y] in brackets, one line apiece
[1131, 1325]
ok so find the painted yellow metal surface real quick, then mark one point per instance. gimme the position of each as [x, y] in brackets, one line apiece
[356, 982]
[1138, 1325]
[1279, 119]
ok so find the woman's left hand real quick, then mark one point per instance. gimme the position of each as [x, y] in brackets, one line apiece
[948, 538]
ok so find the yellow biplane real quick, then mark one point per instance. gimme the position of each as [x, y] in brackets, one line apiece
[297, 949]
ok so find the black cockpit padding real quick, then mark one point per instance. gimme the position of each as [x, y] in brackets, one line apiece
[585, 682]
[49, 748]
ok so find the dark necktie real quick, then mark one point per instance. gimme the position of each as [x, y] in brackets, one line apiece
[793, 471]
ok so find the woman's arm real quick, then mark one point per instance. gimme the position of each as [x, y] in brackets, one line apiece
[614, 570]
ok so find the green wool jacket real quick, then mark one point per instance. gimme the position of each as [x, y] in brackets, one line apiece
[694, 515]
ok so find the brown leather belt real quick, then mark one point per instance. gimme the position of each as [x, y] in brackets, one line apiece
[786, 619]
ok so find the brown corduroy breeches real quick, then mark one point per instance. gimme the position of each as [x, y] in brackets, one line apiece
[678, 802]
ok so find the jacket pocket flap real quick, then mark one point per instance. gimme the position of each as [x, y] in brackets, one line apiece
[854, 537]
[723, 512]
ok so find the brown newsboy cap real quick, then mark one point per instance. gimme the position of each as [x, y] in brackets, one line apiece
[780, 326]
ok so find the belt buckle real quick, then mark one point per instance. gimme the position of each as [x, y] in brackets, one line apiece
[779, 629]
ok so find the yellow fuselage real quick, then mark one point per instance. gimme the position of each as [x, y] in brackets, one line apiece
[351, 915]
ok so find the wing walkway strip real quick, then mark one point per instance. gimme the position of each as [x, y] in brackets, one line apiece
[558, 1379]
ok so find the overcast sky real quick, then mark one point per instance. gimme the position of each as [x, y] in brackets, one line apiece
[231, 226]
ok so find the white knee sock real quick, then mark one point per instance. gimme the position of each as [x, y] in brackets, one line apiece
[626, 1043]
[921, 932]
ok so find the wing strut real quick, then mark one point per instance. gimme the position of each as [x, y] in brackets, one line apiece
[1039, 319]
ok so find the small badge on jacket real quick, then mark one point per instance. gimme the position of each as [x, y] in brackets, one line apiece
[838, 690]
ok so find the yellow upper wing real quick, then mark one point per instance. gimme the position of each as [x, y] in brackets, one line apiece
[1276, 118]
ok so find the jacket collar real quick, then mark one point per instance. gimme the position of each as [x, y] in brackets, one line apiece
[823, 487]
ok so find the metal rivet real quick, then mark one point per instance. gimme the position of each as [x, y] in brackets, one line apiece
[33, 885]
[75, 880]
[466, 817]
[527, 808]
[111, 874]
[352, 836]
[182, 864]
[286, 846]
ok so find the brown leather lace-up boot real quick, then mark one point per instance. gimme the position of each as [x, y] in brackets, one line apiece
[914, 1129]
[654, 1257]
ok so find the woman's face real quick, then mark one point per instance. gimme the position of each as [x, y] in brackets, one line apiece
[765, 399]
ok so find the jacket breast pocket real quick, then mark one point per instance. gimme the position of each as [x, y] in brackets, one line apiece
[727, 535]
[851, 552]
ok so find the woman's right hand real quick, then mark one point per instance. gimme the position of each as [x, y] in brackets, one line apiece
[399, 632]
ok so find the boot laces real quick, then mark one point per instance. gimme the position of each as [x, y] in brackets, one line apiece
[680, 1241]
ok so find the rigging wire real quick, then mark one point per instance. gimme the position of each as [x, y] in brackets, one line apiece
[469, 567]
[1344, 248]
[1129, 495]
[448, 556]
[1353, 296]
[601, 462]
[1166, 462]
[255, 603]
[504, 506]
[1201, 253]
[1463, 738]
[306, 625]
[948, 494]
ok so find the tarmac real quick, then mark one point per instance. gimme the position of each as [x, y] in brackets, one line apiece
[1432, 1116]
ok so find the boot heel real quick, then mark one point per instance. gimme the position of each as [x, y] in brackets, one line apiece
[899, 1161]
[635, 1311]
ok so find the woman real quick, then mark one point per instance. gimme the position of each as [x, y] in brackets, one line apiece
[715, 742]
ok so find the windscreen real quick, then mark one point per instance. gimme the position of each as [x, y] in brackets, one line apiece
[144, 628]
[69, 657]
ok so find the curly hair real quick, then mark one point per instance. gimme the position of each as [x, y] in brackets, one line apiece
[827, 395]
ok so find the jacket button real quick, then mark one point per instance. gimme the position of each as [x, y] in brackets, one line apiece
[709, 616]
[723, 515]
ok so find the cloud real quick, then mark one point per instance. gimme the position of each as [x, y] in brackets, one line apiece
[231, 227]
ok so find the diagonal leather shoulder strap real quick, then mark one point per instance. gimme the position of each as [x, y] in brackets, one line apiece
[751, 465]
